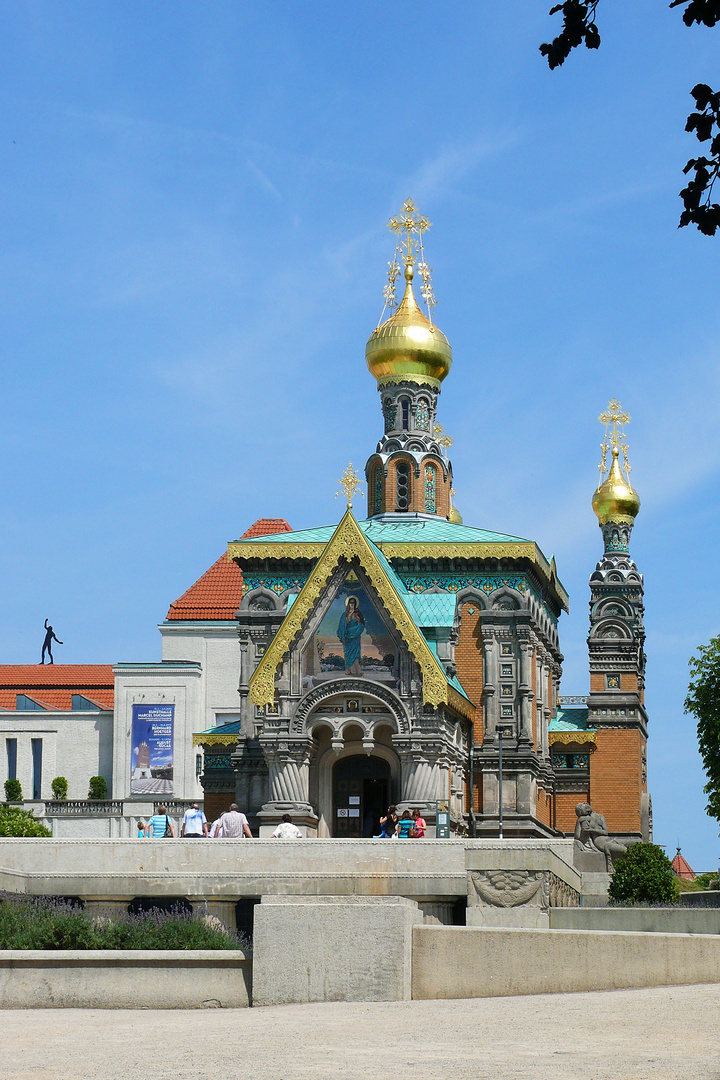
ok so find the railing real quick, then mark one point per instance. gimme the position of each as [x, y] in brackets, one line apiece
[175, 806]
[84, 807]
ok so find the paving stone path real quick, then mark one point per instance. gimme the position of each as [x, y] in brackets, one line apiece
[660, 1034]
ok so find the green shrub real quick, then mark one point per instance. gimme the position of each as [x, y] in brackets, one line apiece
[13, 791]
[17, 822]
[643, 875]
[59, 787]
[42, 923]
[98, 788]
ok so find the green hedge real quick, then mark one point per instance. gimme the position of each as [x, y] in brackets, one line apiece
[41, 923]
[17, 822]
[643, 875]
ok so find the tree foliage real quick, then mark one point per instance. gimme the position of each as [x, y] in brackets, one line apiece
[17, 822]
[59, 787]
[579, 27]
[98, 788]
[13, 791]
[643, 875]
[703, 702]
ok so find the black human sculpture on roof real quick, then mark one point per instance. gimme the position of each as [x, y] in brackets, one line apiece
[47, 643]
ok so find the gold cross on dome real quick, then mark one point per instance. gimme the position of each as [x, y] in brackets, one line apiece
[614, 416]
[440, 436]
[409, 221]
[349, 482]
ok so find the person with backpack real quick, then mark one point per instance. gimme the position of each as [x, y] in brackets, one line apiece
[160, 825]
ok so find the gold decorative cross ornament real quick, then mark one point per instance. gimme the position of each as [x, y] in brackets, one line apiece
[409, 221]
[406, 225]
[614, 416]
[444, 440]
[614, 419]
[349, 482]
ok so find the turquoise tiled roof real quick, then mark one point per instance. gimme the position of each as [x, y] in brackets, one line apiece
[571, 720]
[231, 728]
[432, 609]
[414, 530]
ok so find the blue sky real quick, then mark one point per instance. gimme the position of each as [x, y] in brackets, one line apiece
[194, 246]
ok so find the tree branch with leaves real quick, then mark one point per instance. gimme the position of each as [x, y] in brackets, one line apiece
[703, 702]
[579, 28]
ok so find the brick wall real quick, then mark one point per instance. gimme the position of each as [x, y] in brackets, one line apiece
[469, 661]
[565, 803]
[616, 779]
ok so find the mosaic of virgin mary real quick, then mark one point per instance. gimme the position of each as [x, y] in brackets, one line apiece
[349, 632]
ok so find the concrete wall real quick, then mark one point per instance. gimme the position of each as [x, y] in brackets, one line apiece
[418, 869]
[644, 920]
[36, 979]
[333, 948]
[76, 745]
[465, 962]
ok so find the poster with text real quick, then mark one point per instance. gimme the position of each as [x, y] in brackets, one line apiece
[152, 750]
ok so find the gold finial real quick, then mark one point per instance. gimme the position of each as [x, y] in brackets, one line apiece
[614, 420]
[615, 498]
[349, 482]
[410, 222]
[440, 436]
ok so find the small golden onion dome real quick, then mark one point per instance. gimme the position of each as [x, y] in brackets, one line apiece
[615, 499]
[455, 516]
[407, 347]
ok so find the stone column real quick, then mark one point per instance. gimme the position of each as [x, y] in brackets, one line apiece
[490, 706]
[288, 763]
[525, 691]
[423, 778]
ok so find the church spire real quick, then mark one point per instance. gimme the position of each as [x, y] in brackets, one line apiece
[409, 357]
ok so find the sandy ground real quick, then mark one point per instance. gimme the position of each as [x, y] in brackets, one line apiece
[660, 1034]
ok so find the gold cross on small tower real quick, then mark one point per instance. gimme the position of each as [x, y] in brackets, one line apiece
[349, 482]
[615, 416]
[615, 419]
[409, 221]
[445, 441]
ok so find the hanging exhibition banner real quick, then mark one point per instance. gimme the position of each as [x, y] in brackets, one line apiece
[152, 750]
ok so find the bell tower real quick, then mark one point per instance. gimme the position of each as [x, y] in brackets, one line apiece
[616, 704]
[409, 473]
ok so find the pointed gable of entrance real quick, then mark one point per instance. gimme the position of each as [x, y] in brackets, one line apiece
[347, 546]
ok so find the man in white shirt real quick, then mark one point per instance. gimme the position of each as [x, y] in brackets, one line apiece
[286, 830]
[194, 823]
[233, 824]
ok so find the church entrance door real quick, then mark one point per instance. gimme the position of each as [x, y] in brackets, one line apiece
[361, 793]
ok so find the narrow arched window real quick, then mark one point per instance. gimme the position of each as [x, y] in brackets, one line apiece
[378, 490]
[403, 485]
[430, 488]
[405, 406]
[389, 412]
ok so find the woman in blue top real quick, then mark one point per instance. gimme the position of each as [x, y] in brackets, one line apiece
[404, 825]
[350, 629]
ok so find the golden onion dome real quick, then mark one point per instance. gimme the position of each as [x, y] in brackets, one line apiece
[455, 516]
[615, 499]
[407, 347]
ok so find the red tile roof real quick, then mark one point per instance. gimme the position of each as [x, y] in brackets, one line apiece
[217, 594]
[682, 867]
[54, 684]
[266, 527]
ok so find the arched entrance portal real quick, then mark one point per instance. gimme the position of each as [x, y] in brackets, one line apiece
[361, 793]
